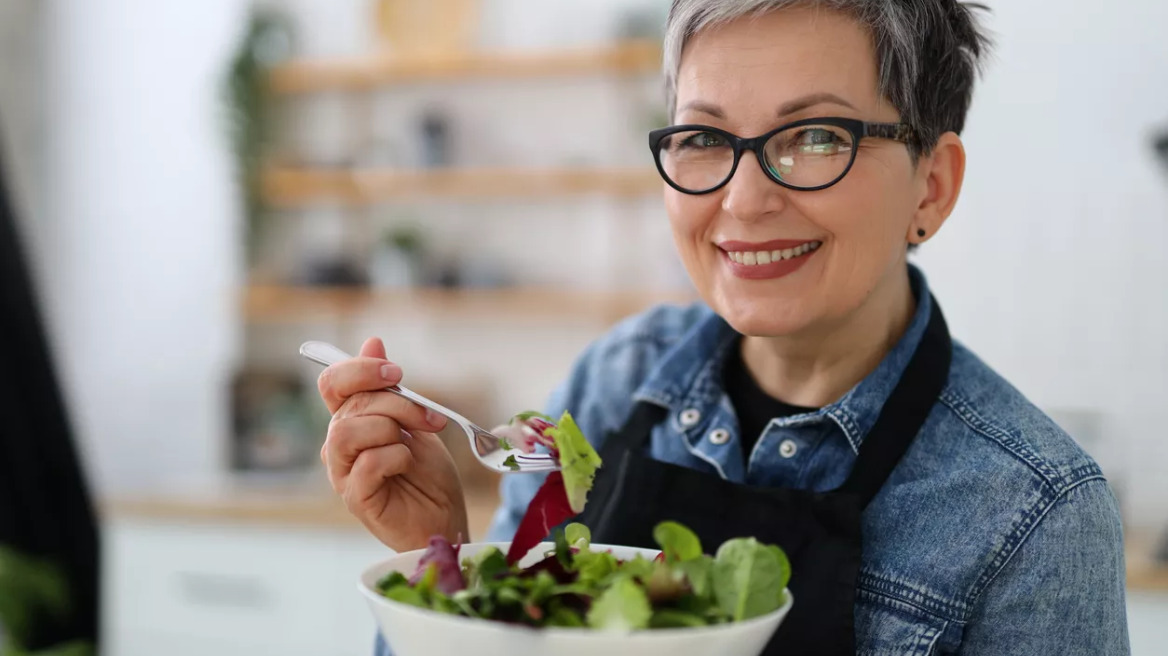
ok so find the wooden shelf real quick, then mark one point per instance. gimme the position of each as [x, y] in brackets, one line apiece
[285, 187]
[307, 76]
[269, 303]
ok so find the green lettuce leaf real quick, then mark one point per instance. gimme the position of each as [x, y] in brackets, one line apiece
[578, 461]
[578, 535]
[749, 578]
[678, 542]
[622, 607]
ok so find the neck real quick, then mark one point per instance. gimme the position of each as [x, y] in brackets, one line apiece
[818, 366]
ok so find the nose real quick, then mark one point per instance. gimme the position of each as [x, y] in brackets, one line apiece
[750, 194]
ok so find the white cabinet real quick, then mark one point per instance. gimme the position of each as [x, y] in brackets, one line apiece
[1147, 615]
[222, 589]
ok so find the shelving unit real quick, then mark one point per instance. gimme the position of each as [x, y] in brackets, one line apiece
[346, 210]
[266, 303]
[309, 76]
[290, 187]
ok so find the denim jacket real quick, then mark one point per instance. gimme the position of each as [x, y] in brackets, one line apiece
[996, 534]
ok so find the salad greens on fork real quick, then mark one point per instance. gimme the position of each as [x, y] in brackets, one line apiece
[575, 585]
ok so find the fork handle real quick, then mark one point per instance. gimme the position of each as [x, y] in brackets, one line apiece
[326, 354]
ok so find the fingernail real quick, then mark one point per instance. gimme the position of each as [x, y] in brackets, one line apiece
[391, 372]
[433, 418]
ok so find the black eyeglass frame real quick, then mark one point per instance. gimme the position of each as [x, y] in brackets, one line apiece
[901, 132]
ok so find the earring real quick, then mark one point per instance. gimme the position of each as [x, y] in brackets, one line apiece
[920, 232]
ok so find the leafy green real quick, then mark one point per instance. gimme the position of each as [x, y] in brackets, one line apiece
[511, 463]
[593, 567]
[578, 460]
[622, 607]
[671, 618]
[578, 535]
[678, 542]
[697, 573]
[749, 578]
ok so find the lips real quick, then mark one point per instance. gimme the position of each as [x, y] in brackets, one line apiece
[767, 260]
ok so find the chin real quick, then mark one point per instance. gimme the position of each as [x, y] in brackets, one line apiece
[757, 316]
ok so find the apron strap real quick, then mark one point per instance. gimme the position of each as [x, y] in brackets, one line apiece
[638, 429]
[904, 412]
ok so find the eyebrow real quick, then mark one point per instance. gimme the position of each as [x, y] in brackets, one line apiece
[791, 107]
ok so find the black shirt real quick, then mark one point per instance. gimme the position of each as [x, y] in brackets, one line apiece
[753, 407]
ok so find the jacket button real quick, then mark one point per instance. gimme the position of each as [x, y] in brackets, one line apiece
[689, 417]
[719, 436]
[788, 448]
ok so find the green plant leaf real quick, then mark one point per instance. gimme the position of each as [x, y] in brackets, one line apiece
[578, 535]
[578, 460]
[749, 578]
[678, 542]
[622, 607]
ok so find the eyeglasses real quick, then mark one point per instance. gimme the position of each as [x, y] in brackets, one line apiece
[806, 155]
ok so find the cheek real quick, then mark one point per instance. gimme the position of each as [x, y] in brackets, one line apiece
[691, 218]
[867, 214]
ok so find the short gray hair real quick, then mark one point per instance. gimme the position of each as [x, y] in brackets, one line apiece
[928, 52]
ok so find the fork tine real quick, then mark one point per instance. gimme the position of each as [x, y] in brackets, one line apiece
[536, 458]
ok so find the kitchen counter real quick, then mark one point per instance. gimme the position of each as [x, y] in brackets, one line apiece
[290, 505]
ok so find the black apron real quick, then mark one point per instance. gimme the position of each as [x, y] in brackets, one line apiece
[820, 532]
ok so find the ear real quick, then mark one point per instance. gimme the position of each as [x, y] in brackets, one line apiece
[941, 174]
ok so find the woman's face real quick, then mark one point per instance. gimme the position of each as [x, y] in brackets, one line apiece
[749, 77]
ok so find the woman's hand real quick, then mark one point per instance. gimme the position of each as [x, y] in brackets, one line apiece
[383, 457]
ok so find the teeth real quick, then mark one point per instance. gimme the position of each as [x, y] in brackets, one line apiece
[753, 258]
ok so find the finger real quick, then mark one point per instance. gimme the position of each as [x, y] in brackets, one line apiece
[408, 414]
[342, 380]
[373, 348]
[349, 437]
[372, 469]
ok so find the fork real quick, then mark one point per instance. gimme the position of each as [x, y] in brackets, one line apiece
[490, 450]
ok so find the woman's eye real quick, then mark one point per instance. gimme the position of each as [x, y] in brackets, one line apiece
[820, 141]
[703, 140]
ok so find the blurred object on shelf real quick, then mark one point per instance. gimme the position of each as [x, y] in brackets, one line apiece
[398, 261]
[434, 28]
[334, 272]
[267, 41]
[436, 140]
[274, 426]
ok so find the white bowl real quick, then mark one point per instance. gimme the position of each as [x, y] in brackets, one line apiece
[412, 631]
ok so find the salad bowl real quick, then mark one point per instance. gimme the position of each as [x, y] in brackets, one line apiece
[413, 631]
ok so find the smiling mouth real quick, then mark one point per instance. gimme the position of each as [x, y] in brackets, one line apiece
[755, 258]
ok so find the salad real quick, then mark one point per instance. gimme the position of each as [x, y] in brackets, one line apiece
[574, 585]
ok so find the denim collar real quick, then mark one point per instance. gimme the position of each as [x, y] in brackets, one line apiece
[689, 374]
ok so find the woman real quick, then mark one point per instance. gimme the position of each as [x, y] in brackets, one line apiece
[815, 398]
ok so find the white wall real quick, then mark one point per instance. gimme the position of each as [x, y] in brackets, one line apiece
[1053, 267]
[142, 219]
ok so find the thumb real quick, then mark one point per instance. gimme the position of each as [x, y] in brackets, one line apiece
[373, 348]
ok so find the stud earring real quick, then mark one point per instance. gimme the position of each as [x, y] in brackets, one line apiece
[920, 232]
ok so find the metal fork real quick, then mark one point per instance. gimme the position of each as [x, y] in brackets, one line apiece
[487, 448]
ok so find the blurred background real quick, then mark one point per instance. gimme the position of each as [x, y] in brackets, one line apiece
[200, 187]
